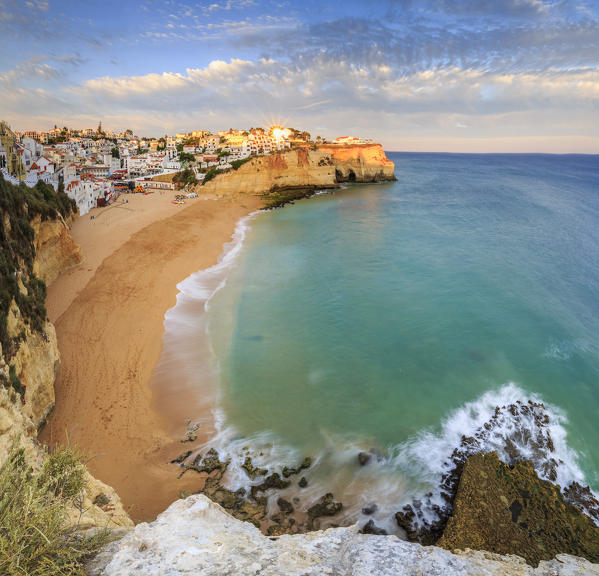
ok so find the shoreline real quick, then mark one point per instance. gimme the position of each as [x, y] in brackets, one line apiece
[109, 315]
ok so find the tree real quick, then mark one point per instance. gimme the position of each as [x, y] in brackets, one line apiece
[115, 152]
[187, 177]
[185, 157]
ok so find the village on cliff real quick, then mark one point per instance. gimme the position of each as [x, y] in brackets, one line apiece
[94, 166]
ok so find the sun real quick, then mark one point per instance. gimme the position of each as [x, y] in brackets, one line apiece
[279, 133]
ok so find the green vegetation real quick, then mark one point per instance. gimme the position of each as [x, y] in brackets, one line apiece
[186, 157]
[34, 537]
[18, 206]
[15, 381]
[187, 177]
[115, 152]
[237, 163]
[210, 175]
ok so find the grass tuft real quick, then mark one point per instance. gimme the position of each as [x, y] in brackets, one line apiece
[34, 537]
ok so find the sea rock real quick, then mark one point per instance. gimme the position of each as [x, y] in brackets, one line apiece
[370, 509]
[253, 471]
[305, 464]
[326, 506]
[303, 482]
[272, 481]
[285, 506]
[196, 536]
[518, 431]
[181, 458]
[509, 510]
[371, 528]
[207, 463]
[364, 458]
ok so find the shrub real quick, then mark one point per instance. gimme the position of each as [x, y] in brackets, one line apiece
[34, 538]
[15, 381]
[209, 175]
[237, 163]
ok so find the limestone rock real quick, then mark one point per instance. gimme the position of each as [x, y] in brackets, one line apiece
[196, 536]
[507, 509]
[55, 249]
[101, 507]
[293, 169]
[360, 162]
[36, 363]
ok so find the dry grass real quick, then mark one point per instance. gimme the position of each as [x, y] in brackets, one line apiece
[34, 539]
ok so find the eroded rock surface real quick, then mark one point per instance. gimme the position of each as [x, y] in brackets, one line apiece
[196, 536]
[509, 510]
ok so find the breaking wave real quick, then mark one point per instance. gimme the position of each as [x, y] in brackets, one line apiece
[514, 423]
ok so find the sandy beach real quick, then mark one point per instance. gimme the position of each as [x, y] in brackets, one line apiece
[109, 313]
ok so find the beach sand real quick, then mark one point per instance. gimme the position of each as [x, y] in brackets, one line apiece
[109, 314]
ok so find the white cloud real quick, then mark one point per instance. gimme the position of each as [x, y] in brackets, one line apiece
[441, 104]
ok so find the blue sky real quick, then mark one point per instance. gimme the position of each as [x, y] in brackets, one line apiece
[437, 75]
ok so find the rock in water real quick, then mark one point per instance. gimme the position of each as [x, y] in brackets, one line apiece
[364, 458]
[371, 528]
[197, 537]
[509, 510]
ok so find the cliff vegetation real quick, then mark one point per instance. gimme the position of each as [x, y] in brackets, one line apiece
[22, 293]
[36, 536]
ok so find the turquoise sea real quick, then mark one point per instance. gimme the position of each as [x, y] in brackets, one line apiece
[396, 316]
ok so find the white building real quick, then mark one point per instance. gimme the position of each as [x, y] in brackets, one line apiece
[86, 193]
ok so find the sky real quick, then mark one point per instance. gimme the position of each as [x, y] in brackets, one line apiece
[429, 75]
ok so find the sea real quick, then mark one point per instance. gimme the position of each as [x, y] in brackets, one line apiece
[393, 318]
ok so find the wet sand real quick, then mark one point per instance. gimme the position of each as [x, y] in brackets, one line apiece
[109, 314]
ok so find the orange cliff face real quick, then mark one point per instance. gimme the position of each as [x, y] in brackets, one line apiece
[309, 169]
[359, 162]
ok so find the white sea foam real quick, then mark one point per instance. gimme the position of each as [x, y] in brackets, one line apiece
[398, 475]
[204, 284]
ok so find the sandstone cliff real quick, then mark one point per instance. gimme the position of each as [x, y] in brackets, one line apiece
[55, 250]
[360, 162]
[196, 536]
[303, 168]
[36, 246]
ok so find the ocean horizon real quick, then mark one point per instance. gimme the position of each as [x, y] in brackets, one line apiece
[393, 318]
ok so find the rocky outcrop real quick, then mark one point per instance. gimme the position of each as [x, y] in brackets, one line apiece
[36, 363]
[55, 249]
[196, 536]
[359, 162]
[509, 510]
[295, 169]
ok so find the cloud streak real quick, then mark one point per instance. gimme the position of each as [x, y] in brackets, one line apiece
[401, 71]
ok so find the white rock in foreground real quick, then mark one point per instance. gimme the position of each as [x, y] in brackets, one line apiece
[196, 536]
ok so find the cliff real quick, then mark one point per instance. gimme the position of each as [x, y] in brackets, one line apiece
[295, 169]
[196, 536]
[55, 250]
[35, 246]
[359, 162]
[303, 170]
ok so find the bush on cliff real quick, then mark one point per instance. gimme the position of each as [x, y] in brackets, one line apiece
[34, 536]
[210, 175]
